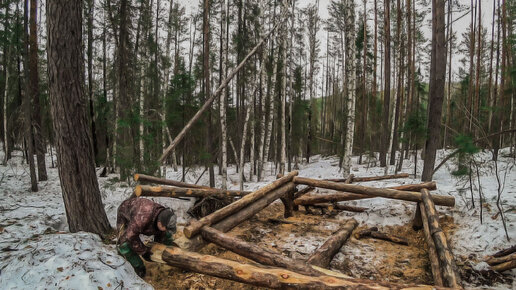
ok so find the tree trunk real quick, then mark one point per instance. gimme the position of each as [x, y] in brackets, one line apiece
[6, 98]
[34, 93]
[387, 84]
[432, 252]
[195, 226]
[378, 192]
[325, 253]
[437, 80]
[151, 179]
[81, 194]
[351, 85]
[372, 178]
[169, 191]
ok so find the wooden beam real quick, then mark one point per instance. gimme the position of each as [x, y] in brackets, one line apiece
[446, 260]
[432, 252]
[142, 178]
[195, 225]
[375, 192]
[325, 253]
[170, 191]
[371, 178]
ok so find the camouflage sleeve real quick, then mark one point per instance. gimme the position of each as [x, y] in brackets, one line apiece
[132, 236]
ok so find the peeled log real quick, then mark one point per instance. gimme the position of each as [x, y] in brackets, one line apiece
[432, 252]
[261, 255]
[325, 253]
[170, 191]
[196, 225]
[376, 192]
[156, 180]
[446, 260]
[495, 261]
[504, 266]
[371, 178]
[258, 276]
[344, 196]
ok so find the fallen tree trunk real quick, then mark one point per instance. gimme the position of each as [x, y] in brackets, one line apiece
[499, 260]
[505, 252]
[170, 191]
[505, 266]
[376, 192]
[258, 276]
[325, 253]
[371, 178]
[446, 260]
[196, 225]
[261, 255]
[151, 179]
[345, 196]
[432, 252]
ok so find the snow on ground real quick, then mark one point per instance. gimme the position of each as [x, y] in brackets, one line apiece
[38, 252]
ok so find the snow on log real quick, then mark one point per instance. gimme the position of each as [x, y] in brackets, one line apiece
[156, 180]
[170, 191]
[263, 256]
[260, 276]
[370, 178]
[432, 252]
[446, 260]
[325, 253]
[195, 225]
[376, 192]
[345, 196]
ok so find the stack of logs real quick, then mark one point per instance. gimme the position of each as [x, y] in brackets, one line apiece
[503, 260]
[278, 271]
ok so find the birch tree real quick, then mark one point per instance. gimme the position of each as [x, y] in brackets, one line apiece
[223, 96]
[350, 67]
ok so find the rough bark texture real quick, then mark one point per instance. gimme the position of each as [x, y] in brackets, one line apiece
[194, 227]
[446, 259]
[151, 179]
[436, 90]
[170, 191]
[325, 253]
[261, 255]
[377, 192]
[432, 252]
[81, 194]
[266, 277]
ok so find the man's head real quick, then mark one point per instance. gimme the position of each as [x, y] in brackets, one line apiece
[167, 221]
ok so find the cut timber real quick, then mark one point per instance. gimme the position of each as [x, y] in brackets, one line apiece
[500, 260]
[344, 196]
[441, 245]
[371, 178]
[170, 191]
[504, 266]
[379, 192]
[374, 233]
[303, 191]
[261, 255]
[196, 225]
[505, 252]
[432, 252]
[151, 179]
[259, 276]
[325, 253]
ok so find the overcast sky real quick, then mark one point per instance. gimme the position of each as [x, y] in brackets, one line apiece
[459, 26]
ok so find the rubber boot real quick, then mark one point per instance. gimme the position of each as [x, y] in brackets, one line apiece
[133, 259]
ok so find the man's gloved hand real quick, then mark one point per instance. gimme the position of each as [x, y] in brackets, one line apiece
[147, 256]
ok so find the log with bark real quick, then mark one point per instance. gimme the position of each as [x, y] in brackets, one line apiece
[509, 265]
[170, 191]
[446, 260]
[500, 260]
[374, 233]
[260, 276]
[263, 256]
[325, 253]
[344, 196]
[376, 192]
[195, 225]
[339, 207]
[370, 178]
[432, 252]
[142, 178]
[505, 252]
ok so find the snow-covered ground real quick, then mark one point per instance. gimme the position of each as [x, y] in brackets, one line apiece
[38, 252]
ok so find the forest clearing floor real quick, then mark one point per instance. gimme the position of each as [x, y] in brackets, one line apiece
[37, 251]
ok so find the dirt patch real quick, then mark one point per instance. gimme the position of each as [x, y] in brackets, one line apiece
[366, 258]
